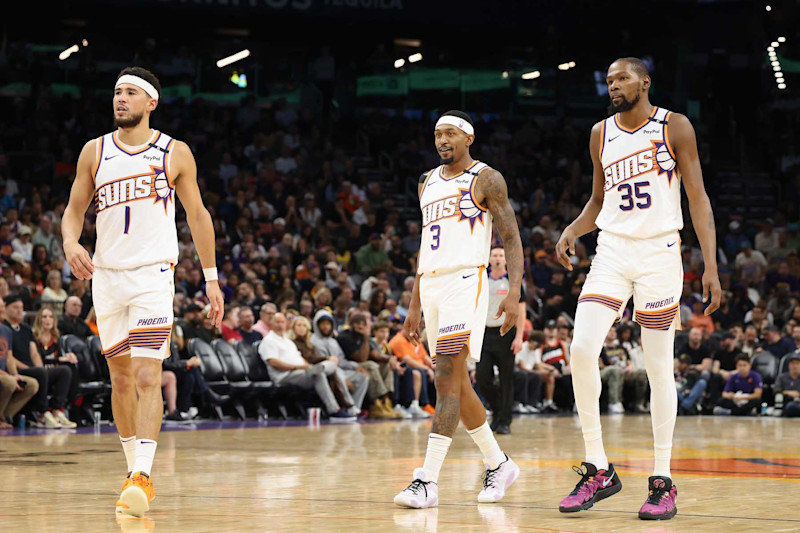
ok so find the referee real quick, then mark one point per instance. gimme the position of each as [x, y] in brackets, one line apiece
[499, 351]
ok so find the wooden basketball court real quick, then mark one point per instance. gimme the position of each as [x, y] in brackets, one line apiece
[732, 475]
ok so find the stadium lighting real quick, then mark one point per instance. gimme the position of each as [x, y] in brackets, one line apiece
[772, 55]
[781, 86]
[775, 44]
[399, 63]
[238, 56]
[571, 64]
[769, 8]
[85, 42]
[413, 58]
[68, 52]
[776, 63]
[505, 74]
[777, 69]
[781, 39]
[563, 66]
[531, 75]
[779, 74]
[770, 49]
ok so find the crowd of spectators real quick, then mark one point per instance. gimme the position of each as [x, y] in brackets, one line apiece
[317, 259]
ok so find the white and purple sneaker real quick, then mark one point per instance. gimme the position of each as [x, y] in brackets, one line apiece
[496, 482]
[420, 494]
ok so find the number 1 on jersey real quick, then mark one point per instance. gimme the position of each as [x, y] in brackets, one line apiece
[435, 228]
[127, 218]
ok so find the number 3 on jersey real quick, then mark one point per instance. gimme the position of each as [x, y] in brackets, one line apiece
[436, 230]
[629, 192]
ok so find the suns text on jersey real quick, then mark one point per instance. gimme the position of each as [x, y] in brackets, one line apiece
[124, 190]
[628, 167]
[439, 209]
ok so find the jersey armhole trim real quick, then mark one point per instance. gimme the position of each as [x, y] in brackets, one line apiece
[666, 137]
[602, 140]
[424, 183]
[167, 163]
[472, 190]
[99, 154]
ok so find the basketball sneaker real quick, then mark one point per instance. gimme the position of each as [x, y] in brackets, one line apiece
[137, 494]
[662, 501]
[497, 481]
[595, 485]
[428, 408]
[62, 419]
[127, 483]
[417, 412]
[420, 494]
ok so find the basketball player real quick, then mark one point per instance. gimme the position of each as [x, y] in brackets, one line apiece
[459, 201]
[132, 176]
[641, 155]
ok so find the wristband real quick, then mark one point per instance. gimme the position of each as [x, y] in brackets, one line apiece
[210, 274]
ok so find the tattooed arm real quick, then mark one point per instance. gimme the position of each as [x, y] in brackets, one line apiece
[681, 137]
[491, 191]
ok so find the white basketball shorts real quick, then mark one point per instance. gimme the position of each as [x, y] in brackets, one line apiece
[455, 305]
[134, 310]
[650, 270]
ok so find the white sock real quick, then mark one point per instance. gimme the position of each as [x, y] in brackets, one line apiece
[145, 451]
[547, 402]
[485, 440]
[658, 348]
[592, 322]
[129, 447]
[415, 403]
[434, 457]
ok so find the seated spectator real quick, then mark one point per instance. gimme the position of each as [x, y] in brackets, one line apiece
[246, 322]
[750, 342]
[699, 352]
[787, 384]
[300, 333]
[723, 367]
[527, 380]
[47, 336]
[774, 343]
[71, 323]
[53, 380]
[23, 244]
[324, 340]
[699, 319]
[357, 346]
[265, 314]
[690, 385]
[54, 294]
[743, 391]
[230, 325]
[15, 390]
[555, 358]
[169, 387]
[287, 366]
[417, 370]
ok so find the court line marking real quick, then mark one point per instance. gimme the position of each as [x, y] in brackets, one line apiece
[512, 506]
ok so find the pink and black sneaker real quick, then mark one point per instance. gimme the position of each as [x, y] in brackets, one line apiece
[595, 485]
[662, 502]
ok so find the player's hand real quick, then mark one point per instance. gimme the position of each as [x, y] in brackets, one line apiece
[509, 306]
[711, 284]
[80, 263]
[566, 242]
[217, 302]
[411, 325]
[516, 346]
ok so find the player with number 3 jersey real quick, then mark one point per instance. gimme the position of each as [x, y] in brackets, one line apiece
[132, 176]
[641, 155]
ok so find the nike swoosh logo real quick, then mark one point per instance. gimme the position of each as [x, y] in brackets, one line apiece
[164, 269]
[612, 138]
[670, 245]
[431, 183]
[607, 482]
[111, 156]
[465, 277]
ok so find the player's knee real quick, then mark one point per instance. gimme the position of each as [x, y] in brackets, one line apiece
[122, 382]
[580, 349]
[148, 377]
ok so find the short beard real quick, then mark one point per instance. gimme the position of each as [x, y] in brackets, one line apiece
[130, 122]
[446, 160]
[625, 105]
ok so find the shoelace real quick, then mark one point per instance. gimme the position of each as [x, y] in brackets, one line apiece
[585, 478]
[489, 478]
[416, 486]
[656, 495]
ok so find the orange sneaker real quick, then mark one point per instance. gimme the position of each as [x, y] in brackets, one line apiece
[429, 409]
[128, 482]
[137, 493]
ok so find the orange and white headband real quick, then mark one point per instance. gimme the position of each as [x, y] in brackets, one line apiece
[459, 123]
[143, 84]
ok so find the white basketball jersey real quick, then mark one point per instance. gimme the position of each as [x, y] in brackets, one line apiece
[456, 232]
[642, 180]
[135, 203]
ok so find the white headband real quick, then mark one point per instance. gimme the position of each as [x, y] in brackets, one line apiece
[145, 85]
[459, 123]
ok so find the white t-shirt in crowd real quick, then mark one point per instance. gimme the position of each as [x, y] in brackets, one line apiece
[276, 347]
[529, 357]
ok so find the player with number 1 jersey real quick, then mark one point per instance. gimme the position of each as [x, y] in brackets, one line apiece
[641, 155]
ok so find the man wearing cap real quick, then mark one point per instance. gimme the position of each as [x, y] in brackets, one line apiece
[132, 176]
[788, 383]
[22, 244]
[750, 264]
[499, 350]
[723, 366]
